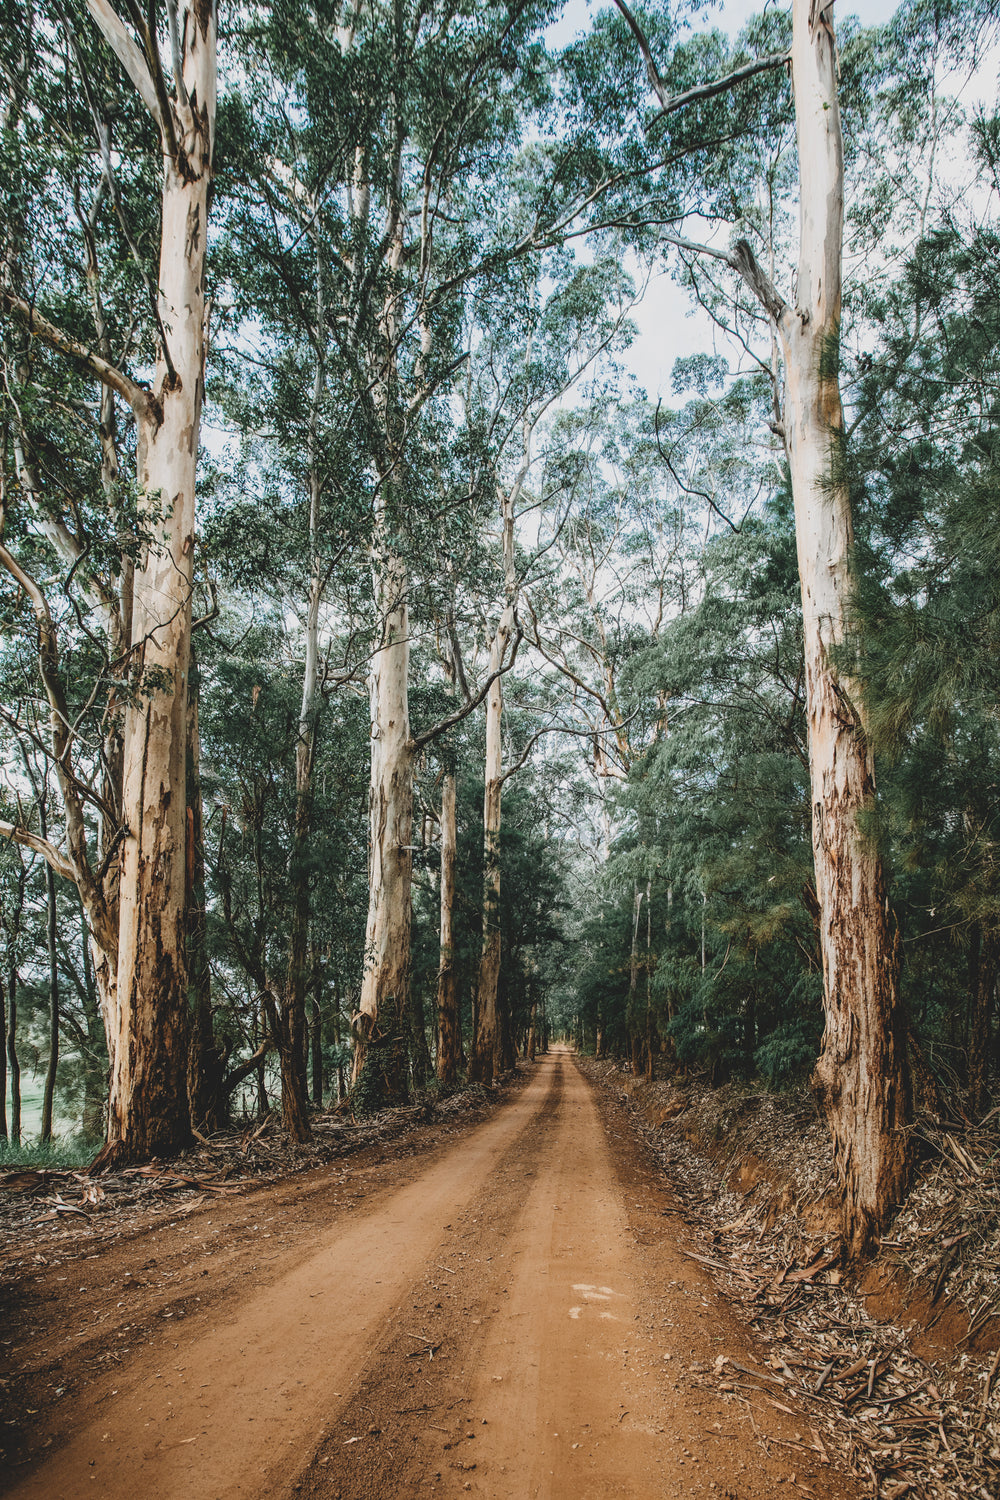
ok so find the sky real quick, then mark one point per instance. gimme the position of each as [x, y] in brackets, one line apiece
[729, 14]
[668, 328]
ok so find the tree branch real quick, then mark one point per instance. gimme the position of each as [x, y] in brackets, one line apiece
[123, 45]
[418, 741]
[745, 263]
[138, 398]
[742, 260]
[668, 103]
[720, 85]
[60, 864]
[587, 734]
[243, 1070]
[652, 72]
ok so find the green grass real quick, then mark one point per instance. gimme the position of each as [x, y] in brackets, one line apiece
[56, 1155]
[68, 1148]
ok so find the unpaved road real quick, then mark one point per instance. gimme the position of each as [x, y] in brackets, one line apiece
[509, 1315]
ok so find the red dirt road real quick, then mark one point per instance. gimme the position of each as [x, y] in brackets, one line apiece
[510, 1318]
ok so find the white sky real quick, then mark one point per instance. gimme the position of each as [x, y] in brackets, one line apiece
[726, 14]
[668, 328]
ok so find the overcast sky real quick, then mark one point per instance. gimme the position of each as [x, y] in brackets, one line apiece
[729, 14]
[667, 326]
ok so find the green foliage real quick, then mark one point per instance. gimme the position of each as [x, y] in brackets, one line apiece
[370, 1092]
[789, 1052]
[395, 297]
[57, 1155]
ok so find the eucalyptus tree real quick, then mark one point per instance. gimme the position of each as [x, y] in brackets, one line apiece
[862, 1076]
[448, 155]
[251, 687]
[406, 128]
[288, 404]
[139, 932]
[373, 133]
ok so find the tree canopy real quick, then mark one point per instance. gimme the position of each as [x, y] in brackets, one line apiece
[341, 547]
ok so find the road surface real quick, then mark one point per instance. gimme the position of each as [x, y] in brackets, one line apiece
[513, 1317]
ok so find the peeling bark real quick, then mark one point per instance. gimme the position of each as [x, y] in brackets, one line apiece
[383, 1016]
[861, 1078]
[449, 1040]
[383, 1009]
[147, 1017]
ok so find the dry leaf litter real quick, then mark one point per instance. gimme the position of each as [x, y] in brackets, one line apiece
[754, 1173]
[38, 1205]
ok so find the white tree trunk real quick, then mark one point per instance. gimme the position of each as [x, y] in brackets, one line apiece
[488, 1053]
[384, 1004]
[293, 1031]
[861, 1076]
[491, 1051]
[448, 1032]
[149, 1021]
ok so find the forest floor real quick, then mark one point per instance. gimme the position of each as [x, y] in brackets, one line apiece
[510, 1307]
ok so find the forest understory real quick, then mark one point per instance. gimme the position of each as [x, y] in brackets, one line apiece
[714, 1211]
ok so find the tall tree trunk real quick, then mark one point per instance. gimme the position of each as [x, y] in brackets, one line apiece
[294, 1095]
[205, 1063]
[148, 1106]
[381, 1023]
[492, 1051]
[635, 1043]
[650, 1062]
[489, 1052]
[260, 1073]
[13, 1063]
[449, 1041]
[52, 1064]
[383, 1009]
[419, 1051]
[12, 924]
[982, 991]
[294, 1107]
[316, 1045]
[861, 1078]
[95, 1077]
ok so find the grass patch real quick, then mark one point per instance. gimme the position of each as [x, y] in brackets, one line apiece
[59, 1154]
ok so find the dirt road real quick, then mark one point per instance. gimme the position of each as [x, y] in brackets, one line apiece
[513, 1317]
